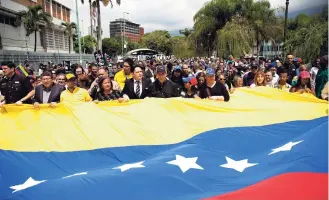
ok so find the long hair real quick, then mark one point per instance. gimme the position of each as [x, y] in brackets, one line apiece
[299, 83]
[255, 78]
[100, 83]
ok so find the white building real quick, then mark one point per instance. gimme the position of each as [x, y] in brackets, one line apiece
[53, 39]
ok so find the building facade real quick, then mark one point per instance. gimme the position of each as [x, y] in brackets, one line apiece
[13, 35]
[271, 50]
[133, 32]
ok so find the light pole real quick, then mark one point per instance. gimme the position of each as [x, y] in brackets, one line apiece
[78, 28]
[285, 27]
[83, 38]
[124, 32]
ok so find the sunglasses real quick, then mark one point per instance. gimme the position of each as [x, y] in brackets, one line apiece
[222, 79]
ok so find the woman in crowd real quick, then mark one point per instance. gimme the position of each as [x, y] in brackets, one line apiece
[106, 92]
[238, 82]
[259, 79]
[303, 84]
[226, 82]
[201, 78]
[190, 90]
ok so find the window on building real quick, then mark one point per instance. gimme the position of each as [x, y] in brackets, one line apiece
[68, 13]
[54, 9]
[49, 38]
[59, 11]
[59, 39]
[48, 7]
[64, 14]
[7, 20]
[2, 19]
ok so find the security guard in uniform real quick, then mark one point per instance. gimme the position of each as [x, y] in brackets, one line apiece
[14, 87]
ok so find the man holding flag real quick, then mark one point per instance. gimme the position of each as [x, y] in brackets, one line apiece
[14, 87]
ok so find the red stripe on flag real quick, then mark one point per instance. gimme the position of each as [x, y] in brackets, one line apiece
[290, 186]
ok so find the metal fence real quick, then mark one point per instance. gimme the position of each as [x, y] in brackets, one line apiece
[35, 58]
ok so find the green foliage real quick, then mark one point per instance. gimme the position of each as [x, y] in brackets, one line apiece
[88, 44]
[182, 48]
[308, 36]
[69, 30]
[159, 40]
[186, 32]
[134, 45]
[216, 23]
[235, 38]
[34, 19]
[112, 46]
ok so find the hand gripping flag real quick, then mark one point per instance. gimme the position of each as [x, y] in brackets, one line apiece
[264, 144]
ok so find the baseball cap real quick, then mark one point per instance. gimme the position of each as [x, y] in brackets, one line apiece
[305, 74]
[161, 69]
[192, 80]
[70, 76]
[178, 68]
[210, 72]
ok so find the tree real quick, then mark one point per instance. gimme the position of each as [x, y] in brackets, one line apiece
[70, 29]
[34, 20]
[181, 47]
[158, 40]
[88, 43]
[134, 45]
[235, 38]
[111, 46]
[99, 22]
[263, 19]
[210, 18]
[222, 23]
[186, 32]
[308, 36]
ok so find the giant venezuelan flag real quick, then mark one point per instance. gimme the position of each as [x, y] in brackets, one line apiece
[264, 144]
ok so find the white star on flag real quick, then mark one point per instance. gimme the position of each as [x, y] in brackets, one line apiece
[185, 163]
[30, 182]
[126, 167]
[76, 174]
[239, 166]
[286, 147]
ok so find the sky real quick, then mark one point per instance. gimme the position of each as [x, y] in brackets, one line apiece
[168, 15]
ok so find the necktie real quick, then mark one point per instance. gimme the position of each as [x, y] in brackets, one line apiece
[138, 88]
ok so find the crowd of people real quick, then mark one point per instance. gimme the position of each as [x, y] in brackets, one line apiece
[202, 78]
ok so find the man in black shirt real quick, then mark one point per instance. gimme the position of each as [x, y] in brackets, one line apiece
[14, 87]
[290, 67]
[213, 89]
[162, 87]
